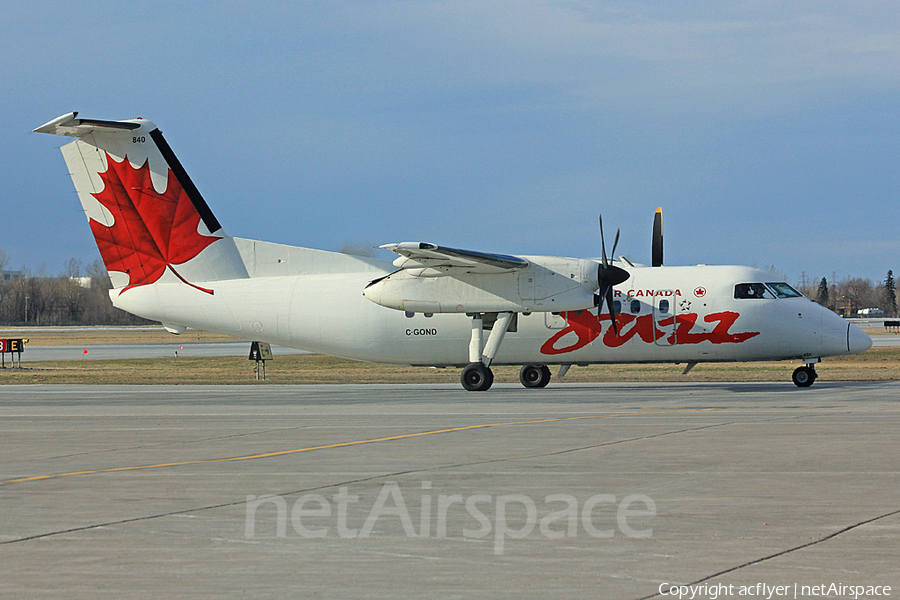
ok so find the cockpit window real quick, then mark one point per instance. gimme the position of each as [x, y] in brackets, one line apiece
[752, 290]
[783, 290]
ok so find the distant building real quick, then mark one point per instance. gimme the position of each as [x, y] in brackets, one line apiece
[870, 312]
[84, 282]
[7, 275]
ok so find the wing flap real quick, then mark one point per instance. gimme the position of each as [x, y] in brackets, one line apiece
[423, 255]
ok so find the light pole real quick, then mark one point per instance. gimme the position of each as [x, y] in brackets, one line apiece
[26, 309]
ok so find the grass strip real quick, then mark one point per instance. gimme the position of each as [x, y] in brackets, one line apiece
[878, 364]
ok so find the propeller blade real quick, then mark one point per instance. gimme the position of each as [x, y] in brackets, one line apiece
[598, 298]
[657, 245]
[603, 244]
[606, 293]
[608, 275]
[612, 308]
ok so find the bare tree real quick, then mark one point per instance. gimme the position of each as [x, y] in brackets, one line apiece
[854, 293]
[73, 268]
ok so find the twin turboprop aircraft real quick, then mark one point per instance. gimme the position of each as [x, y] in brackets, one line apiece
[170, 261]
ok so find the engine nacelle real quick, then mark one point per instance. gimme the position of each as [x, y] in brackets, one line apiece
[548, 284]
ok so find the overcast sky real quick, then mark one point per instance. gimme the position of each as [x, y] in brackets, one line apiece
[767, 131]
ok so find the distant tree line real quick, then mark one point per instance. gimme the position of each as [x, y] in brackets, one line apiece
[75, 297]
[79, 296]
[851, 294]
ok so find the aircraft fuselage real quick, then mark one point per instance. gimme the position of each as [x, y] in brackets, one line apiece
[667, 314]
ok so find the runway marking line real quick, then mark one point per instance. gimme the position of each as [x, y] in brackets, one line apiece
[344, 444]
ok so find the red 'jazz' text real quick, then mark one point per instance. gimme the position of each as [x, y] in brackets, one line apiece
[587, 327]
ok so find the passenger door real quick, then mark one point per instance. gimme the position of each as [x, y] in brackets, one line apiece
[664, 317]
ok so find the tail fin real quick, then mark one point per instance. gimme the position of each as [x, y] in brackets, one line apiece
[147, 216]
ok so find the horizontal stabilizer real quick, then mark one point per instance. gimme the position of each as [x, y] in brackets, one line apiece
[68, 124]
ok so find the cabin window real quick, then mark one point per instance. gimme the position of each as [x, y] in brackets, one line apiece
[783, 290]
[663, 306]
[752, 290]
[635, 307]
[617, 306]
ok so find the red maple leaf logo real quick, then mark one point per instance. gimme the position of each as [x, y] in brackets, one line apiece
[152, 231]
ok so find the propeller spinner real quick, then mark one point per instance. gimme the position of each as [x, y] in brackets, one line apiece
[608, 275]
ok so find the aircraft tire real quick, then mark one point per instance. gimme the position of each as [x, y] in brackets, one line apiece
[476, 378]
[534, 376]
[804, 376]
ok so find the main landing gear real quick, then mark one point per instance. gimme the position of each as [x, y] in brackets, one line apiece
[804, 376]
[477, 375]
[477, 378]
[535, 376]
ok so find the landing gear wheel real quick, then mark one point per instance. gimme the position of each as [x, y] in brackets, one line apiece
[476, 377]
[804, 376]
[535, 376]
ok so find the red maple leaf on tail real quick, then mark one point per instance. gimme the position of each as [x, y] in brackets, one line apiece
[152, 231]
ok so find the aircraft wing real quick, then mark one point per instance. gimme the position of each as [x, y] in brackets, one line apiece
[423, 255]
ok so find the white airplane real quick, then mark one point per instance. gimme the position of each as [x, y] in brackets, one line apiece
[170, 261]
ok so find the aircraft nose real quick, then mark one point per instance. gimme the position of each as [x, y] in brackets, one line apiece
[857, 339]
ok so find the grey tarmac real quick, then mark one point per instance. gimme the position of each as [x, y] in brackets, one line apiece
[600, 490]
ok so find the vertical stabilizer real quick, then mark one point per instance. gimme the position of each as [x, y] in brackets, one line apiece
[148, 218]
